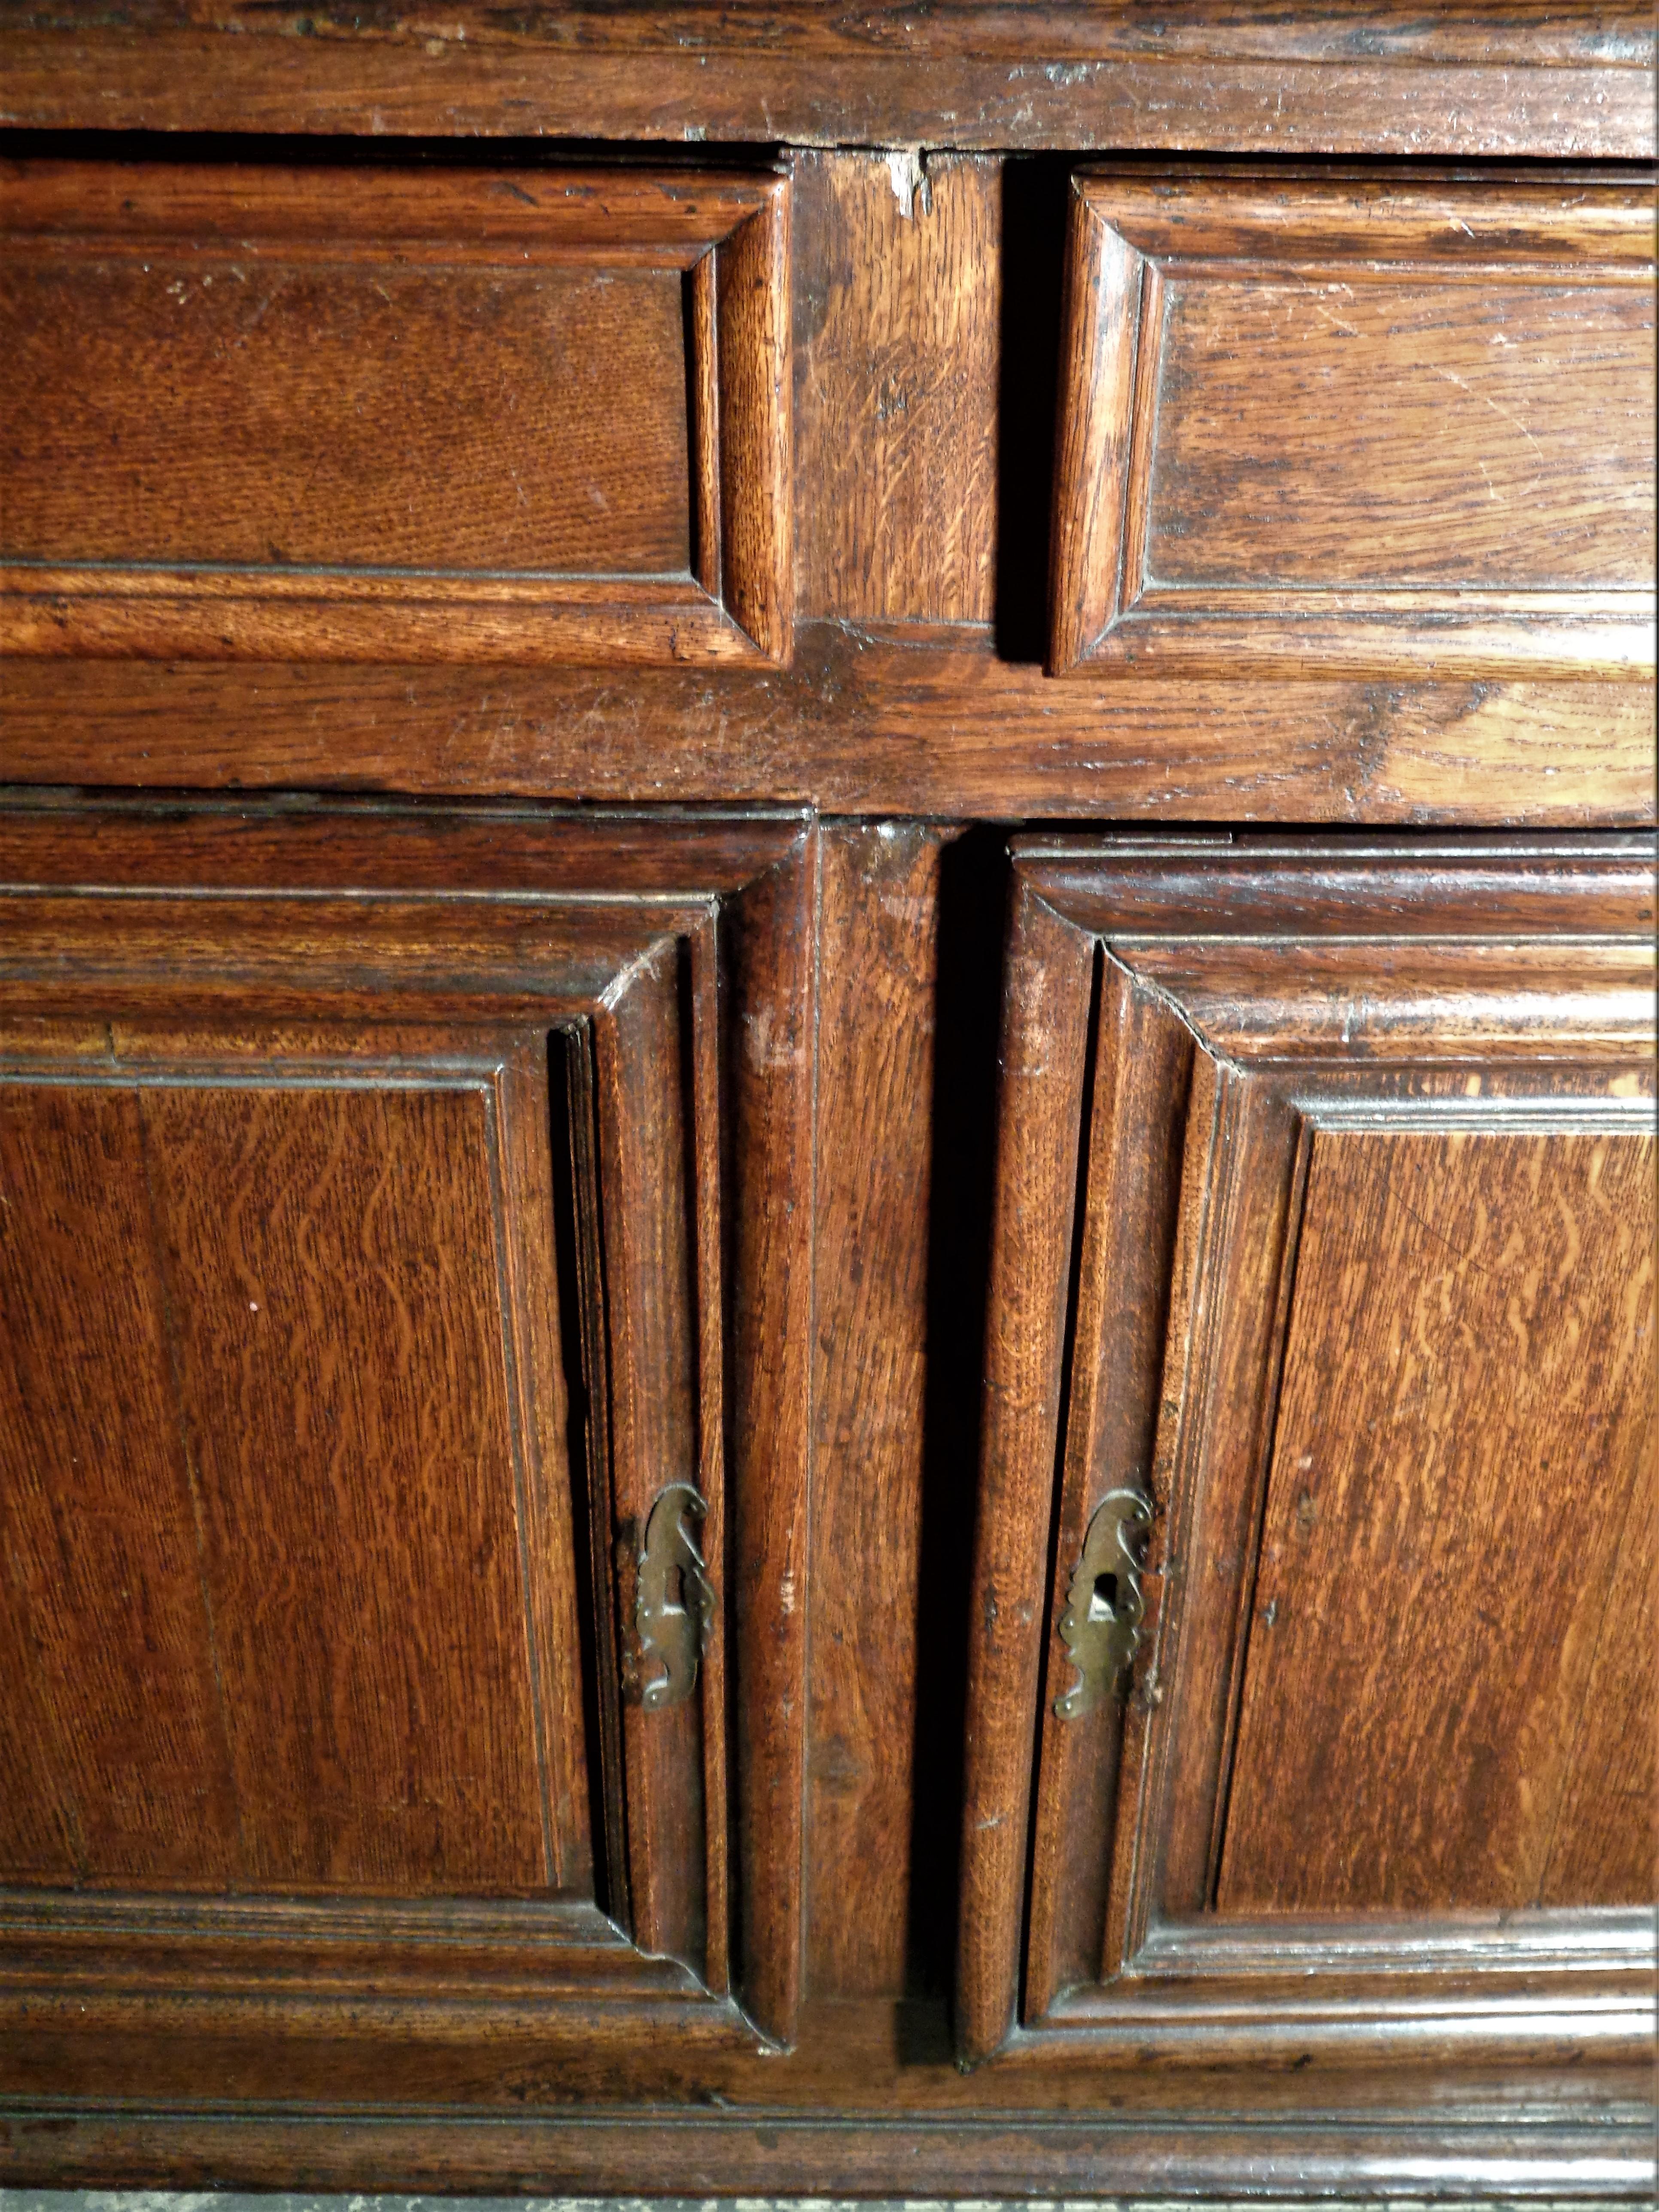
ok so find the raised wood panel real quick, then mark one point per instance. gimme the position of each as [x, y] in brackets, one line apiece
[405, 1263]
[1385, 425]
[1324, 1224]
[1437, 1564]
[336, 1269]
[235, 413]
[1323, 434]
[419, 415]
[111, 1730]
[391, 1701]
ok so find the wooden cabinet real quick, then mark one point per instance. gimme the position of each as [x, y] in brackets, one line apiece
[399, 1489]
[826, 1100]
[1316, 1553]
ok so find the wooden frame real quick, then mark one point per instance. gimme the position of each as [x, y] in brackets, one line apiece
[386, 945]
[726, 232]
[1135, 242]
[1180, 1016]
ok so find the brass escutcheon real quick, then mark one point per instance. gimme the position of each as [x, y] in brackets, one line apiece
[674, 1609]
[1101, 1624]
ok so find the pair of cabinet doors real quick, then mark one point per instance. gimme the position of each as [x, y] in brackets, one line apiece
[406, 1279]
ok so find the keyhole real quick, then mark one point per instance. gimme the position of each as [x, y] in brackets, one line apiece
[1103, 1602]
[674, 1591]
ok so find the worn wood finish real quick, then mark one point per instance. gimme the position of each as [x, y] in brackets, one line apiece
[336, 1756]
[1520, 80]
[599, 1153]
[1050, 971]
[241, 402]
[1420, 1538]
[650, 1317]
[769, 975]
[893, 2059]
[1137, 1120]
[1588, 2163]
[897, 360]
[1324, 419]
[900, 720]
[331, 1263]
[879, 950]
[113, 1740]
[351, 1217]
[1357, 1022]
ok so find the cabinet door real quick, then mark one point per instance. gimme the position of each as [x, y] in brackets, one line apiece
[377, 414]
[1377, 423]
[1312, 1690]
[402, 1418]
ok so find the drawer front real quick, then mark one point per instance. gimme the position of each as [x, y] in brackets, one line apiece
[1323, 1276]
[538, 415]
[386, 1237]
[1311, 426]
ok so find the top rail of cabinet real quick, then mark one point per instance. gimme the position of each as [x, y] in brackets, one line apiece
[1483, 78]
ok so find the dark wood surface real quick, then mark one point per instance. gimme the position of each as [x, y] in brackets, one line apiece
[879, 949]
[351, 1509]
[1410, 1101]
[841, 1167]
[130, 1777]
[1464, 1428]
[1293, 429]
[1590, 2162]
[1520, 79]
[326, 1263]
[256, 412]
[926, 355]
[898, 350]
[905, 720]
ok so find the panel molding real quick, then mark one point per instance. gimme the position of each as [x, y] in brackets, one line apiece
[1173, 1102]
[354, 948]
[724, 234]
[1131, 239]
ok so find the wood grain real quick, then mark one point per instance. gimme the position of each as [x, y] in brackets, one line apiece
[1522, 32]
[193, 408]
[897, 339]
[1407, 446]
[265, 412]
[1049, 978]
[906, 719]
[333, 1259]
[1609, 1809]
[769, 970]
[878, 952]
[751, 328]
[359, 1225]
[596, 2153]
[1436, 1570]
[650, 1315]
[1142, 1072]
[1328, 424]
[1462, 1003]
[1521, 81]
[111, 1728]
